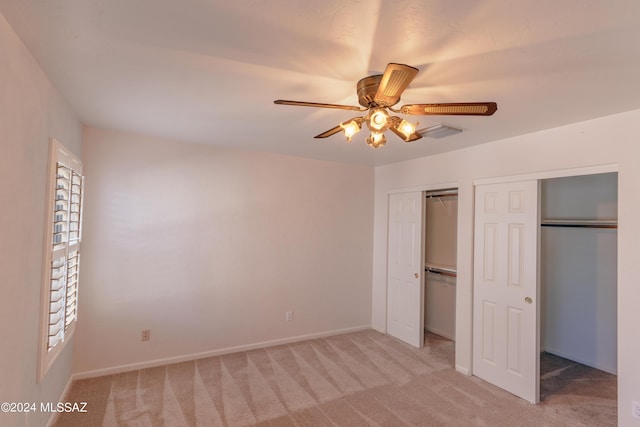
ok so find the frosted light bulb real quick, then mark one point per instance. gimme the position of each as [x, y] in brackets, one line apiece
[407, 129]
[378, 120]
[376, 140]
[350, 129]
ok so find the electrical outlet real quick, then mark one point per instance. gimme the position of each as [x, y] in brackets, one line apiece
[635, 409]
[289, 316]
[146, 335]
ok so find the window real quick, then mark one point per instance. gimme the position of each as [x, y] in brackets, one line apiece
[61, 253]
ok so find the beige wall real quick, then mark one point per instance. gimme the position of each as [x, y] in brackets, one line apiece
[31, 111]
[209, 247]
[608, 140]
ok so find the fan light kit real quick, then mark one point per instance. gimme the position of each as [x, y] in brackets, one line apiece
[378, 94]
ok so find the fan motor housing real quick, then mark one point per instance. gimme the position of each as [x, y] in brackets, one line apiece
[367, 89]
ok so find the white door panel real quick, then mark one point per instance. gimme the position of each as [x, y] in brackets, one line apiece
[505, 350]
[405, 293]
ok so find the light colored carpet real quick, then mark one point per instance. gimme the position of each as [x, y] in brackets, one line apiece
[357, 379]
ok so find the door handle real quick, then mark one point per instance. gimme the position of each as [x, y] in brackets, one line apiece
[417, 275]
[528, 300]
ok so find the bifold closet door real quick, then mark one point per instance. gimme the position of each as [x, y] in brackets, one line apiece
[505, 311]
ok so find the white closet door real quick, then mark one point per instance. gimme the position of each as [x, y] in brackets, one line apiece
[505, 312]
[405, 289]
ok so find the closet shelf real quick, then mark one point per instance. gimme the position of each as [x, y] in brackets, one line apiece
[579, 223]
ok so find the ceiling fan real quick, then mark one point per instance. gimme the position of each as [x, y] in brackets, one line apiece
[379, 93]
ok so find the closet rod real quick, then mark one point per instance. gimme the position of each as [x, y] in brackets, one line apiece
[442, 193]
[441, 271]
[580, 224]
[569, 225]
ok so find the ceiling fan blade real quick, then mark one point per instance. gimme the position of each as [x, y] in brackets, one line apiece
[329, 132]
[394, 81]
[318, 105]
[333, 131]
[453, 109]
[395, 129]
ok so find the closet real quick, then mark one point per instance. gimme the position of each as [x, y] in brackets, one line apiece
[441, 222]
[578, 269]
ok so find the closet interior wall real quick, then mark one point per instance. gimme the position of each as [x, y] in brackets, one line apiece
[440, 262]
[578, 269]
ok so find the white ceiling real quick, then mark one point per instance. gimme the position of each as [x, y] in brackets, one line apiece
[207, 71]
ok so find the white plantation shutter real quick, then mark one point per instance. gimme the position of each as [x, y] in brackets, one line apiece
[56, 303]
[62, 252]
[73, 264]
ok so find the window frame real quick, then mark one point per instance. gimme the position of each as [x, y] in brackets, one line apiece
[60, 251]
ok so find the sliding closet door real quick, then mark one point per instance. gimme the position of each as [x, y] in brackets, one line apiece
[505, 311]
[405, 288]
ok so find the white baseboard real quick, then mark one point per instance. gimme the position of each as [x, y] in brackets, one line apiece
[381, 330]
[463, 370]
[220, 352]
[63, 398]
